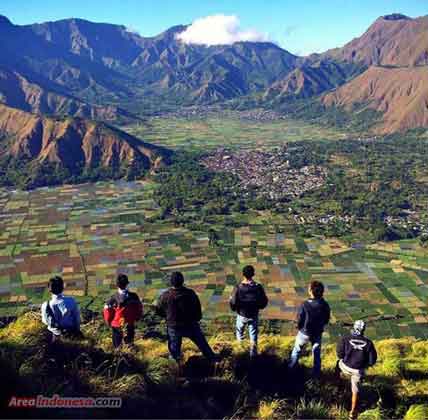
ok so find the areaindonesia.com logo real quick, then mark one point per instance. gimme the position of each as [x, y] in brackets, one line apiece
[57, 401]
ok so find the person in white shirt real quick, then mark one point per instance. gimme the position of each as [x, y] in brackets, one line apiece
[61, 313]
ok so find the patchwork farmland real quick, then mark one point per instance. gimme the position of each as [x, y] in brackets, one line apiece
[89, 233]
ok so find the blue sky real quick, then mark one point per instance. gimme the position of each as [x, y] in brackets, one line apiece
[301, 26]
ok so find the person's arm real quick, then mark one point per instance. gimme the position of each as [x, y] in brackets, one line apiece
[372, 355]
[140, 308]
[327, 313]
[233, 301]
[44, 314]
[49, 320]
[108, 312]
[197, 307]
[76, 315]
[301, 317]
[263, 298]
[340, 349]
[160, 305]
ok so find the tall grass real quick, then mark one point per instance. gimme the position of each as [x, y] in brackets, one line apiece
[236, 387]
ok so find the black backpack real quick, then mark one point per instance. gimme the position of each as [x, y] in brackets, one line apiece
[250, 298]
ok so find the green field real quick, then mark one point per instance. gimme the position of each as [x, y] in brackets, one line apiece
[211, 132]
[89, 233]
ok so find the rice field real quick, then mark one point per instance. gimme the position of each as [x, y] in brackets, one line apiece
[90, 233]
[213, 131]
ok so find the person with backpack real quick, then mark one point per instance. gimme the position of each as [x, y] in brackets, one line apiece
[356, 353]
[247, 299]
[61, 313]
[181, 308]
[312, 317]
[122, 311]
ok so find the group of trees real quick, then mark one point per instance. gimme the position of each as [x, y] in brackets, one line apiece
[373, 179]
[25, 174]
[186, 185]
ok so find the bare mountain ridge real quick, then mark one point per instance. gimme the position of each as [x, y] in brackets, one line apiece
[72, 142]
[92, 70]
[400, 94]
[108, 63]
[390, 74]
[396, 83]
[19, 92]
[392, 40]
[311, 80]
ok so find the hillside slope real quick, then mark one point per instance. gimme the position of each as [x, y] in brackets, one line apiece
[18, 91]
[310, 80]
[392, 40]
[74, 144]
[152, 386]
[401, 94]
[106, 63]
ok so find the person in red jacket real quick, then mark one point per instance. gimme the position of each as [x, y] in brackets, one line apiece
[122, 311]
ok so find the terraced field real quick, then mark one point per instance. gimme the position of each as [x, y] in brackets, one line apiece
[91, 232]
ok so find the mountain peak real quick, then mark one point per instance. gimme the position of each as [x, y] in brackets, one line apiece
[395, 16]
[4, 21]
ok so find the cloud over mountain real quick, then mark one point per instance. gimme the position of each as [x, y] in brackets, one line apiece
[219, 30]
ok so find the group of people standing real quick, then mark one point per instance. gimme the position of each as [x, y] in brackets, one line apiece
[181, 308]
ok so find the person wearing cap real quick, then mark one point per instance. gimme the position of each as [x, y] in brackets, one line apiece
[247, 299]
[355, 353]
[181, 308]
[122, 311]
[312, 317]
[61, 313]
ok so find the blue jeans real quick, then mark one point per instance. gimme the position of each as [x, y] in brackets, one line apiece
[301, 341]
[194, 333]
[253, 331]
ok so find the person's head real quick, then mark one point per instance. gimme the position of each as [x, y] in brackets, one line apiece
[316, 289]
[248, 272]
[56, 285]
[177, 279]
[122, 281]
[359, 327]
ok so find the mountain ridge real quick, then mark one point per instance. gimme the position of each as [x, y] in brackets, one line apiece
[74, 144]
[107, 72]
[110, 62]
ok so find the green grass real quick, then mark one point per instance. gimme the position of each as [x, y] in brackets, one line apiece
[213, 132]
[154, 387]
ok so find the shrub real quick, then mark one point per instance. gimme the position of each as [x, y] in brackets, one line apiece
[420, 349]
[312, 409]
[27, 330]
[374, 414]
[392, 366]
[417, 412]
[269, 409]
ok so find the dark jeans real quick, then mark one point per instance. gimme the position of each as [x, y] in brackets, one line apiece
[194, 333]
[118, 335]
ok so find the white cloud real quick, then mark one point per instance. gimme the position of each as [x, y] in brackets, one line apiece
[132, 30]
[219, 30]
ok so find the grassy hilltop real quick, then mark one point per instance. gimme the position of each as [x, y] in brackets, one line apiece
[152, 386]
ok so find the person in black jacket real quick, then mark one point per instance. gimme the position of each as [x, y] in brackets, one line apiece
[181, 308]
[247, 299]
[312, 317]
[355, 353]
